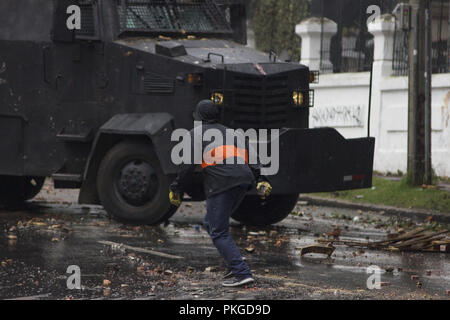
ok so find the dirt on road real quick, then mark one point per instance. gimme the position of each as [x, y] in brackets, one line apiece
[178, 261]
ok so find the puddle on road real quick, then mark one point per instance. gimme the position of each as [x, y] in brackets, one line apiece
[184, 236]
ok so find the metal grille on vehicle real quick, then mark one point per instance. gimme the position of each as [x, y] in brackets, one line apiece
[88, 21]
[155, 83]
[260, 102]
[195, 16]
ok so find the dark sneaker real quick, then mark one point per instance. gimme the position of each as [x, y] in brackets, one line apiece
[235, 282]
[227, 275]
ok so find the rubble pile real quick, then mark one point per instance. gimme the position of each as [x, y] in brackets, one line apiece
[416, 240]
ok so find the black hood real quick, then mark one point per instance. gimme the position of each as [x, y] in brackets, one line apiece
[207, 112]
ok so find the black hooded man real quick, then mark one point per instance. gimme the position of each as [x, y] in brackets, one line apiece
[225, 185]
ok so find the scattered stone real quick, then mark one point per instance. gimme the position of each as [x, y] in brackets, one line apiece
[168, 272]
[211, 269]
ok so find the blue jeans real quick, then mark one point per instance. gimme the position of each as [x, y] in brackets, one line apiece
[217, 222]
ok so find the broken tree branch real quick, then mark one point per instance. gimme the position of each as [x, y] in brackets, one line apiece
[142, 250]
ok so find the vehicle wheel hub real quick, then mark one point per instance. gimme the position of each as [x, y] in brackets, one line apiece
[137, 183]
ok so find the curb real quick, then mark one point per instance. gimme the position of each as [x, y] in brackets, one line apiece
[417, 214]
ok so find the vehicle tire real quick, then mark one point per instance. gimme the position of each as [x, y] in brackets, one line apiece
[132, 186]
[14, 191]
[260, 213]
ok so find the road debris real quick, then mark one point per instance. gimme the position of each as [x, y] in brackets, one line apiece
[327, 249]
[250, 248]
[142, 250]
[273, 234]
[416, 240]
[106, 283]
[211, 269]
[168, 272]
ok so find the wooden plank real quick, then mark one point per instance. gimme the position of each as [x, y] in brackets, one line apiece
[419, 239]
[317, 248]
[142, 250]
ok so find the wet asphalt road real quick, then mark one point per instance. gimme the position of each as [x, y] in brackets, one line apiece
[39, 242]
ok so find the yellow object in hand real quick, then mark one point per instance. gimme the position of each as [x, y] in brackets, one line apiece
[264, 189]
[175, 198]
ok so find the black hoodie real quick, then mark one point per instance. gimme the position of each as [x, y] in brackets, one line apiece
[219, 176]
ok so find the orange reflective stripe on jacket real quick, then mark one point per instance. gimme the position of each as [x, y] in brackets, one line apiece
[220, 154]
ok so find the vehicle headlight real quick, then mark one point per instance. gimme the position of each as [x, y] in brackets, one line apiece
[298, 98]
[195, 78]
[217, 98]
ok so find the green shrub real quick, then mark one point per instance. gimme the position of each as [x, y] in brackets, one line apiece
[274, 24]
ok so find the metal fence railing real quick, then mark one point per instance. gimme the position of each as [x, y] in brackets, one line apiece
[400, 62]
[440, 12]
[352, 48]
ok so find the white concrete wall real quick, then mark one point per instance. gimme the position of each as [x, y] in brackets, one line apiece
[341, 101]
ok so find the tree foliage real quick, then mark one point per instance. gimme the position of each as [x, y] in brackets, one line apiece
[274, 24]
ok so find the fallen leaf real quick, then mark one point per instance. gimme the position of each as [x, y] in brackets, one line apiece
[335, 233]
[106, 283]
[250, 249]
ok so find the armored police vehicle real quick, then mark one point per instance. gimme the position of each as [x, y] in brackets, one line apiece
[93, 107]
